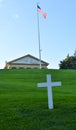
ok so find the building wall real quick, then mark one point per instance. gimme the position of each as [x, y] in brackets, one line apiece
[17, 66]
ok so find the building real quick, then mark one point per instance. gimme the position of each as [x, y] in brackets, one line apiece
[27, 61]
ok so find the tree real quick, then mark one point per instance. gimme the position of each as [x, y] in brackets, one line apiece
[75, 54]
[69, 62]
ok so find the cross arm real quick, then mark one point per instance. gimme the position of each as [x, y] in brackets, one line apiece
[42, 84]
[56, 84]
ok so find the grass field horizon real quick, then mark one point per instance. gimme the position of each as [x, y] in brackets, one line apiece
[24, 106]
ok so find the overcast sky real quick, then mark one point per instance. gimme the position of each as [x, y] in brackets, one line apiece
[19, 30]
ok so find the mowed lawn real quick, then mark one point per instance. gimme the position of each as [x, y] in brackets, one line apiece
[24, 106]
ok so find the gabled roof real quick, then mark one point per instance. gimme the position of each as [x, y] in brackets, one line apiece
[27, 59]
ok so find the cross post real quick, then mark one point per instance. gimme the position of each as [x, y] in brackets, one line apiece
[49, 84]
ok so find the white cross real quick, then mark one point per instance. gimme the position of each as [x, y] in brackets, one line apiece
[49, 85]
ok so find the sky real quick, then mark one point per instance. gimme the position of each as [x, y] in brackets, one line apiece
[19, 30]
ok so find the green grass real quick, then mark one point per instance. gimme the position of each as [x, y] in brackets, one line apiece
[24, 106]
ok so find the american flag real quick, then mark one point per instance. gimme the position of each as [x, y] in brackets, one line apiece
[41, 11]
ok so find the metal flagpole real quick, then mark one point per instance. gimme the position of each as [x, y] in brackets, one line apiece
[39, 39]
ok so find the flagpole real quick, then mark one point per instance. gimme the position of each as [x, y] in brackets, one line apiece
[39, 39]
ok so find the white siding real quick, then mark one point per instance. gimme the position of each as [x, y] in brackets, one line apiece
[26, 60]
